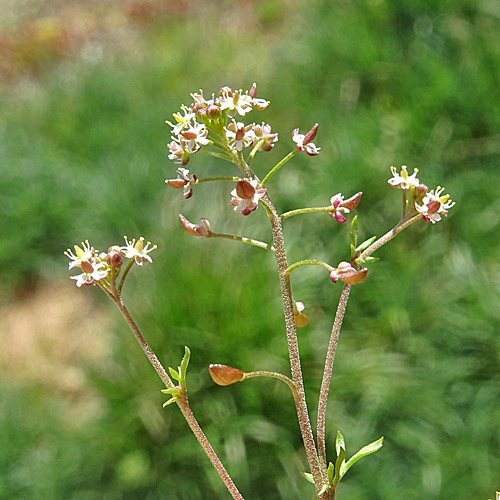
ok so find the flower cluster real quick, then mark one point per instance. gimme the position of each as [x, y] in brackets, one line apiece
[103, 266]
[209, 117]
[431, 204]
[304, 142]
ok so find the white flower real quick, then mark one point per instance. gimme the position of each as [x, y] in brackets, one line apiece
[236, 103]
[304, 141]
[137, 250]
[91, 272]
[403, 180]
[434, 205]
[182, 121]
[246, 196]
[82, 254]
[239, 136]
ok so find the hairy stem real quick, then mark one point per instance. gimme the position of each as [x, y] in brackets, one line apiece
[182, 403]
[327, 374]
[250, 241]
[311, 210]
[279, 376]
[309, 262]
[402, 224]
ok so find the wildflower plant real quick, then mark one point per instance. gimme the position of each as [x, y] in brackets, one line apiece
[219, 126]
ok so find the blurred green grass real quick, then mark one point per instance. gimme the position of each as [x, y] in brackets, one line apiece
[82, 155]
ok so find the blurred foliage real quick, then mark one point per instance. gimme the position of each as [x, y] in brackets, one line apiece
[82, 155]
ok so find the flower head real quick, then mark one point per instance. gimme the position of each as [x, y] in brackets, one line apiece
[304, 141]
[138, 251]
[246, 196]
[348, 274]
[342, 206]
[434, 205]
[403, 180]
[185, 181]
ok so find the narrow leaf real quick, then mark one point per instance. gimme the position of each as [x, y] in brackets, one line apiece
[331, 470]
[185, 362]
[323, 489]
[366, 244]
[354, 231]
[169, 402]
[339, 464]
[174, 374]
[363, 452]
[309, 477]
[339, 443]
[171, 390]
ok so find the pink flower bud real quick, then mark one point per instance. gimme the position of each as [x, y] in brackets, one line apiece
[226, 91]
[114, 257]
[244, 189]
[225, 375]
[253, 90]
[213, 111]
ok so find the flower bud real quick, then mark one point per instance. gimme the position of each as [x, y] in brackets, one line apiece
[213, 111]
[244, 189]
[225, 375]
[309, 137]
[226, 91]
[114, 257]
[253, 90]
[421, 190]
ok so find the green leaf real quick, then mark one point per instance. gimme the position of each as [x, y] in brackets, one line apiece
[184, 363]
[354, 231]
[339, 463]
[366, 244]
[331, 470]
[371, 259]
[171, 390]
[363, 452]
[169, 402]
[174, 374]
[339, 443]
[323, 489]
[309, 477]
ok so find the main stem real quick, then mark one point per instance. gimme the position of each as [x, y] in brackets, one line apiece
[327, 374]
[183, 402]
[319, 475]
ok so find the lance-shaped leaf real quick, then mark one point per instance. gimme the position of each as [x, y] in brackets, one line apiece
[363, 452]
[366, 244]
[354, 235]
[308, 476]
[340, 462]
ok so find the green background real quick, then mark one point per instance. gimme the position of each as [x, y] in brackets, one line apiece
[85, 91]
